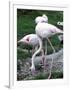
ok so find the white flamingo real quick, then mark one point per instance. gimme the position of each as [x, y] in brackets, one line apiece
[31, 39]
[41, 19]
[44, 19]
[44, 31]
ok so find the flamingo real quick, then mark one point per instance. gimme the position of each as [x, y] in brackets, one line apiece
[41, 19]
[44, 31]
[31, 39]
[44, 18]
[34, 40]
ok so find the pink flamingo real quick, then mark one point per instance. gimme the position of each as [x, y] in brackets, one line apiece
[31, 39]
[44, 31]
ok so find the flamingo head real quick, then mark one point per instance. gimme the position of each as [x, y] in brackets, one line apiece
[25, 40]
[32, 68]
[45, 17]
[41, 19]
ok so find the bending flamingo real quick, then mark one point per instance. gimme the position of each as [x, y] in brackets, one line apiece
[31, 39]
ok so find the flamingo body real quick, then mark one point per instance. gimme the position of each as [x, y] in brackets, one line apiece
[31, 39]
[45, 30]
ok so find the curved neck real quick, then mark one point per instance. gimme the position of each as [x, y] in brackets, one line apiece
[40, 47]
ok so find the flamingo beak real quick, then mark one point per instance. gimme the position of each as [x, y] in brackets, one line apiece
[25, 41]
[19, 41]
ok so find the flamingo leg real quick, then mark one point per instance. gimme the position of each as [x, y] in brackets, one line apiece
[43, 59]
[45, 47]
[51, 45]
[33, 50]
[45, 53]
[43, 56]
[52, 59]
[36, 48]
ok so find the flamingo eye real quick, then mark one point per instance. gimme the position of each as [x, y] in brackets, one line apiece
[27, 39]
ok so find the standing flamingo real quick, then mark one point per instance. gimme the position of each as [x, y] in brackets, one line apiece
[44, 31]
[42, 19]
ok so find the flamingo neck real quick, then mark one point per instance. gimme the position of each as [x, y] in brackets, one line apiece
[40, 47]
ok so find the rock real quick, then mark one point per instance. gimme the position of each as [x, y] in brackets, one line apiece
[25, 74]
